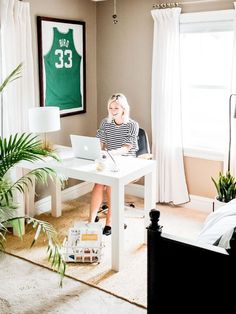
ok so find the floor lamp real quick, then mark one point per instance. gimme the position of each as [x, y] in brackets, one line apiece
[230, 105]
[44, 120]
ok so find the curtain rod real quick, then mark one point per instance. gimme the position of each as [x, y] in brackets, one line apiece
[166, 5]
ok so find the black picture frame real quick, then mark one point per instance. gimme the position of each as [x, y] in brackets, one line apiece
[61, 54]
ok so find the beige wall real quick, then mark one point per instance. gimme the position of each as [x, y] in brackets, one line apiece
[198, 173]
[81, 10]
[118, 59]
[124, 59]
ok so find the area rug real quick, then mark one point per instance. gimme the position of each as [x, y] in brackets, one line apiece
[130, 283]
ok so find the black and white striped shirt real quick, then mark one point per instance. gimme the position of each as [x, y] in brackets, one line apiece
[115, 136]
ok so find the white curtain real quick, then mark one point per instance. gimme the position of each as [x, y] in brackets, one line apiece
[232, 160]
[16, 47]
[166, 108]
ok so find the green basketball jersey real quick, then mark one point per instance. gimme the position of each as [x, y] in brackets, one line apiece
[62, 70]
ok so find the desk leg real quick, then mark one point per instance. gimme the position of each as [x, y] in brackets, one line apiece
[149, 198]
[117, 236]
[29, 198]
[55, 191]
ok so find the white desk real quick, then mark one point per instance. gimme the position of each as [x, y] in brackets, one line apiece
[129, 169]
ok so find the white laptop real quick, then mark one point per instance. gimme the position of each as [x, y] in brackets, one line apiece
[86, 147]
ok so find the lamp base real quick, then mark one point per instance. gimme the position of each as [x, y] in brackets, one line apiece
[47, 146]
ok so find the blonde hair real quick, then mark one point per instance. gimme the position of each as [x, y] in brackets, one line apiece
[121, 100]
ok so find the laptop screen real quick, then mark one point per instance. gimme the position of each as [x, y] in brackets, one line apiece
[86, 147]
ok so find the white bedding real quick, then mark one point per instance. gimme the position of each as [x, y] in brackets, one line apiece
[220, 222]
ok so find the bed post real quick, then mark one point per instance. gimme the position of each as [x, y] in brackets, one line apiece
[153, 237]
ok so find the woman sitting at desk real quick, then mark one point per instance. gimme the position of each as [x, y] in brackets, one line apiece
[119, 135]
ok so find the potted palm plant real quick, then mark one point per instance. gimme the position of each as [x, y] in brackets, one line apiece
[13, 150]
[226, 188]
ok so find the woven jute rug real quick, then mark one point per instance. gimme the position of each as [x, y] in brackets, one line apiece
[130, 283]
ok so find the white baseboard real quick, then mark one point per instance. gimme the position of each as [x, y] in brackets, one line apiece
[80, 189]
[77, 190]
[204, 204]
[135, 189]
[70, 193]
[196, 202]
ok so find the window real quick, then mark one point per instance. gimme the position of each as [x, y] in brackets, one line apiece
[206, 46]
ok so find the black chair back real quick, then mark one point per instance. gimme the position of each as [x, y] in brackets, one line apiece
[143, 143]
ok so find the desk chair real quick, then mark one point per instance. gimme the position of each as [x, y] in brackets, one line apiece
[143, 144]
[143, 152]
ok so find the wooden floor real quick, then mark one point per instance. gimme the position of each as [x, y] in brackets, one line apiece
[173, 217]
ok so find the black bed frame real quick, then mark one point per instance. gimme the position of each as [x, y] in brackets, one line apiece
[185, 277]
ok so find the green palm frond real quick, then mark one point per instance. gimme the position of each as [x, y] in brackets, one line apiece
[21, 185]
[14, 75]
[21, 147]
[54, 247]
[26, 147]
[17, 148]
[6, 214]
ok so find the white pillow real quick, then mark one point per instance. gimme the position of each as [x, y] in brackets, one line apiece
[224, 241]
[218, 223]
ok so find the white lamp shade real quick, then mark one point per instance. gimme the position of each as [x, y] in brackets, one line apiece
[44, 119]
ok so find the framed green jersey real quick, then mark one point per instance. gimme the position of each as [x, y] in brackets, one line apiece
[61, 49]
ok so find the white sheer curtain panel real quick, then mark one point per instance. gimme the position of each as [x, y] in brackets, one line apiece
[232, 160]
[16, 47]
[166, 108]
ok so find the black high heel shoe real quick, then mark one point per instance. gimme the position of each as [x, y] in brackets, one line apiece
[107, 230]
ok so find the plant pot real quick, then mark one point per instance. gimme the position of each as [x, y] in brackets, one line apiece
[217, 204]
